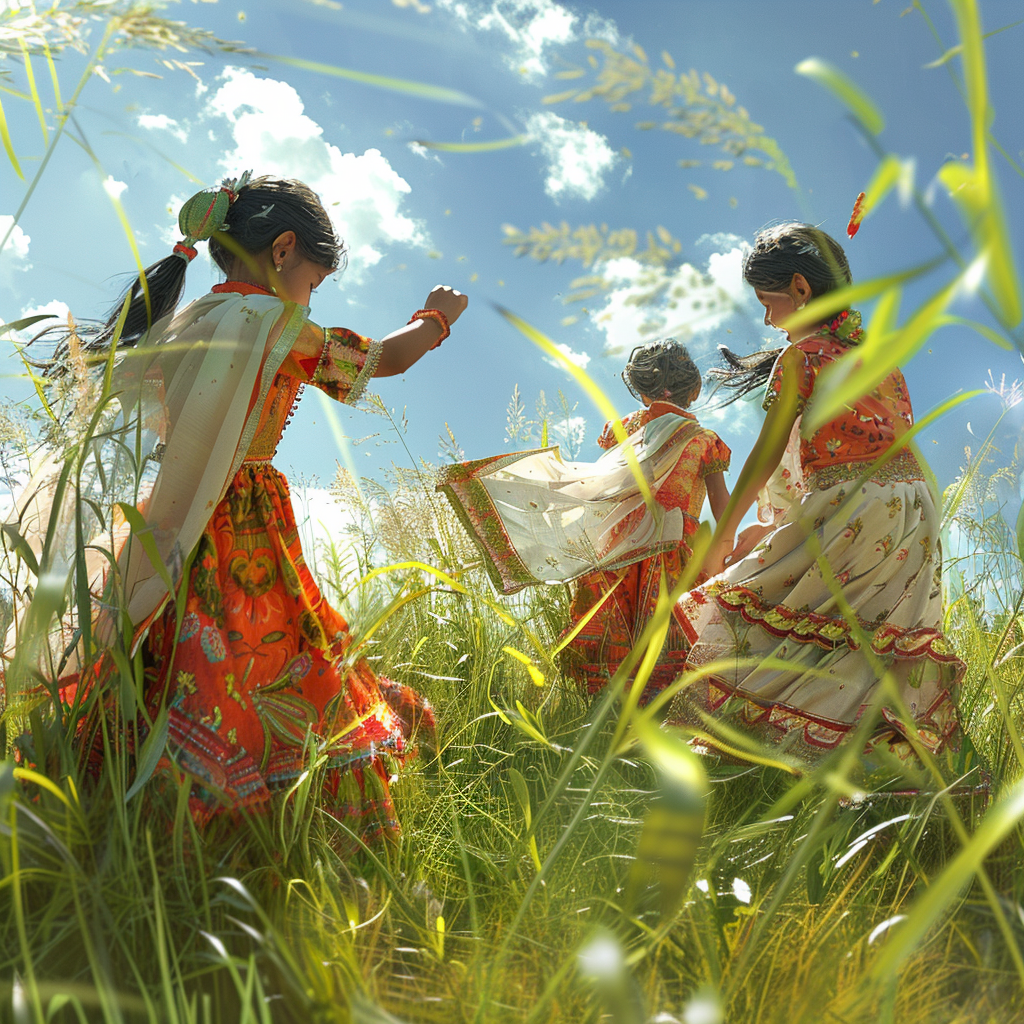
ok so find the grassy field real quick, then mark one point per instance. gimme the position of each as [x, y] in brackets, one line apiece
[515, 891]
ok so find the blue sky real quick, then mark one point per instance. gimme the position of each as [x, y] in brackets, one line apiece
[415, 217]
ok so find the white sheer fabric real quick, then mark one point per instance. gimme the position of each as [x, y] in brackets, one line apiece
[538, 519]
[174, 427]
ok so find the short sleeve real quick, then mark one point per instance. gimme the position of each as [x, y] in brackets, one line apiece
[789, 363]
[717, 455]
[342, 364]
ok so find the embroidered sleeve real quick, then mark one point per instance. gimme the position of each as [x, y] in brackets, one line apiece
[805, 379]
[344, 364]
[717, 455]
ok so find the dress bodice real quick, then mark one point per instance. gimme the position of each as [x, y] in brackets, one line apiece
[277, 411]
[865, 428]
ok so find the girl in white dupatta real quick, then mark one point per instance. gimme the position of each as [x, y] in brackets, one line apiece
[247, 669]
[537, 519]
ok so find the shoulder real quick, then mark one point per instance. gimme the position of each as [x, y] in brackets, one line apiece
[629, 424]
[714, 446]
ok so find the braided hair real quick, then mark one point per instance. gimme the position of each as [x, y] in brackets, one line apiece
[662, 371]
[239, 219]
[779, 252]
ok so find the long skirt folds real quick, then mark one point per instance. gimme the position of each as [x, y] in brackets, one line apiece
[871, 546]
[261, 675]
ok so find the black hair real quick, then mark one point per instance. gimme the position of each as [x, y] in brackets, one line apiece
[261, 210]
[662, 371]
[779, 252]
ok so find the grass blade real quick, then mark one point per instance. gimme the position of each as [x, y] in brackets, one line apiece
[475, 147]
[997, 824]
[845, 90]
[5, 136]
[421, 90]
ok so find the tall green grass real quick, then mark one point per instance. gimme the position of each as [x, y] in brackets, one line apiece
[116, 910]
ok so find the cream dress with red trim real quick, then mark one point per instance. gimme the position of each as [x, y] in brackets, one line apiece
[845, 535]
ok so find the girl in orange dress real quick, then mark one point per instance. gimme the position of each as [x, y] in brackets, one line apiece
[665, 379]
[249, 674]
[840, 583]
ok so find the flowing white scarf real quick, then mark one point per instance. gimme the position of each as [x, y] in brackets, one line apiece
[170, 432]
[537, 519]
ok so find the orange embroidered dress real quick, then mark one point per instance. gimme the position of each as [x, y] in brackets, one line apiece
[596, 652]
[876, 532]
[253, 678]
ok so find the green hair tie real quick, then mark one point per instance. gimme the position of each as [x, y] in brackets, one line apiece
[206, 213]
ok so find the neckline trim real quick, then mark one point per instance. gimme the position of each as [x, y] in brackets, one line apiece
[241, 288]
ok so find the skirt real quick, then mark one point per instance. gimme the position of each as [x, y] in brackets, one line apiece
[259, 679]
[870, 550]
[594, 655]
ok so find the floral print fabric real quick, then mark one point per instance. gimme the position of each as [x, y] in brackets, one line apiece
[866, 546]
[262, 663]
[259, 678]
[606, 639]
[863, 432]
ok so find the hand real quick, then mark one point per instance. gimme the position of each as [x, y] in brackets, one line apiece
[448, 301]
[747, 541]
[714, 560]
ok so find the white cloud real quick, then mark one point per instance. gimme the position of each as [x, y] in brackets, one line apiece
[570, 434]
[161, 122]
[59, 319]
[531, 26]
[15, 252]
[272, 135]
[420, 150]
[114, 188]
[581, 359]
[647, 302]
[578, 158]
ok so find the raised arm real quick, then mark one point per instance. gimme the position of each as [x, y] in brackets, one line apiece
[408, 344]
[340, 362]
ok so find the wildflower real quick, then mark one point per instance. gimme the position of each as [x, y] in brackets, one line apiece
[1010, 395]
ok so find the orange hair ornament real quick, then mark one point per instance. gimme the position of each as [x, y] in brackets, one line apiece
[857, 216]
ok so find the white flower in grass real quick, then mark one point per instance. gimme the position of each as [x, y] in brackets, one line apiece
[1009, 394]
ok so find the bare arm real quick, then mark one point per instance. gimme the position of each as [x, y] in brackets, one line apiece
[761, 463]
[408, 344]
[718, 493]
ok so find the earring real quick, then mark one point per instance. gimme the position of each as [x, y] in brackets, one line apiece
[277, 267]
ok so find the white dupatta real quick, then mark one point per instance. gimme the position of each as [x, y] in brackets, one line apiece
[537, 519]
[170, 434]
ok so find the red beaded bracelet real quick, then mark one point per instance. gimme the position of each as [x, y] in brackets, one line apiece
[438, 317]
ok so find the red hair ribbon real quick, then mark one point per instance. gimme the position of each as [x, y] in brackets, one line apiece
[186, 250]
[856, 217]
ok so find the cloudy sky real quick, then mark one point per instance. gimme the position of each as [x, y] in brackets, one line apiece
[415, 213]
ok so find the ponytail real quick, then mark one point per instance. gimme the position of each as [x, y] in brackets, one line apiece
[239, 219]
[742, 374]
[155, 293]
